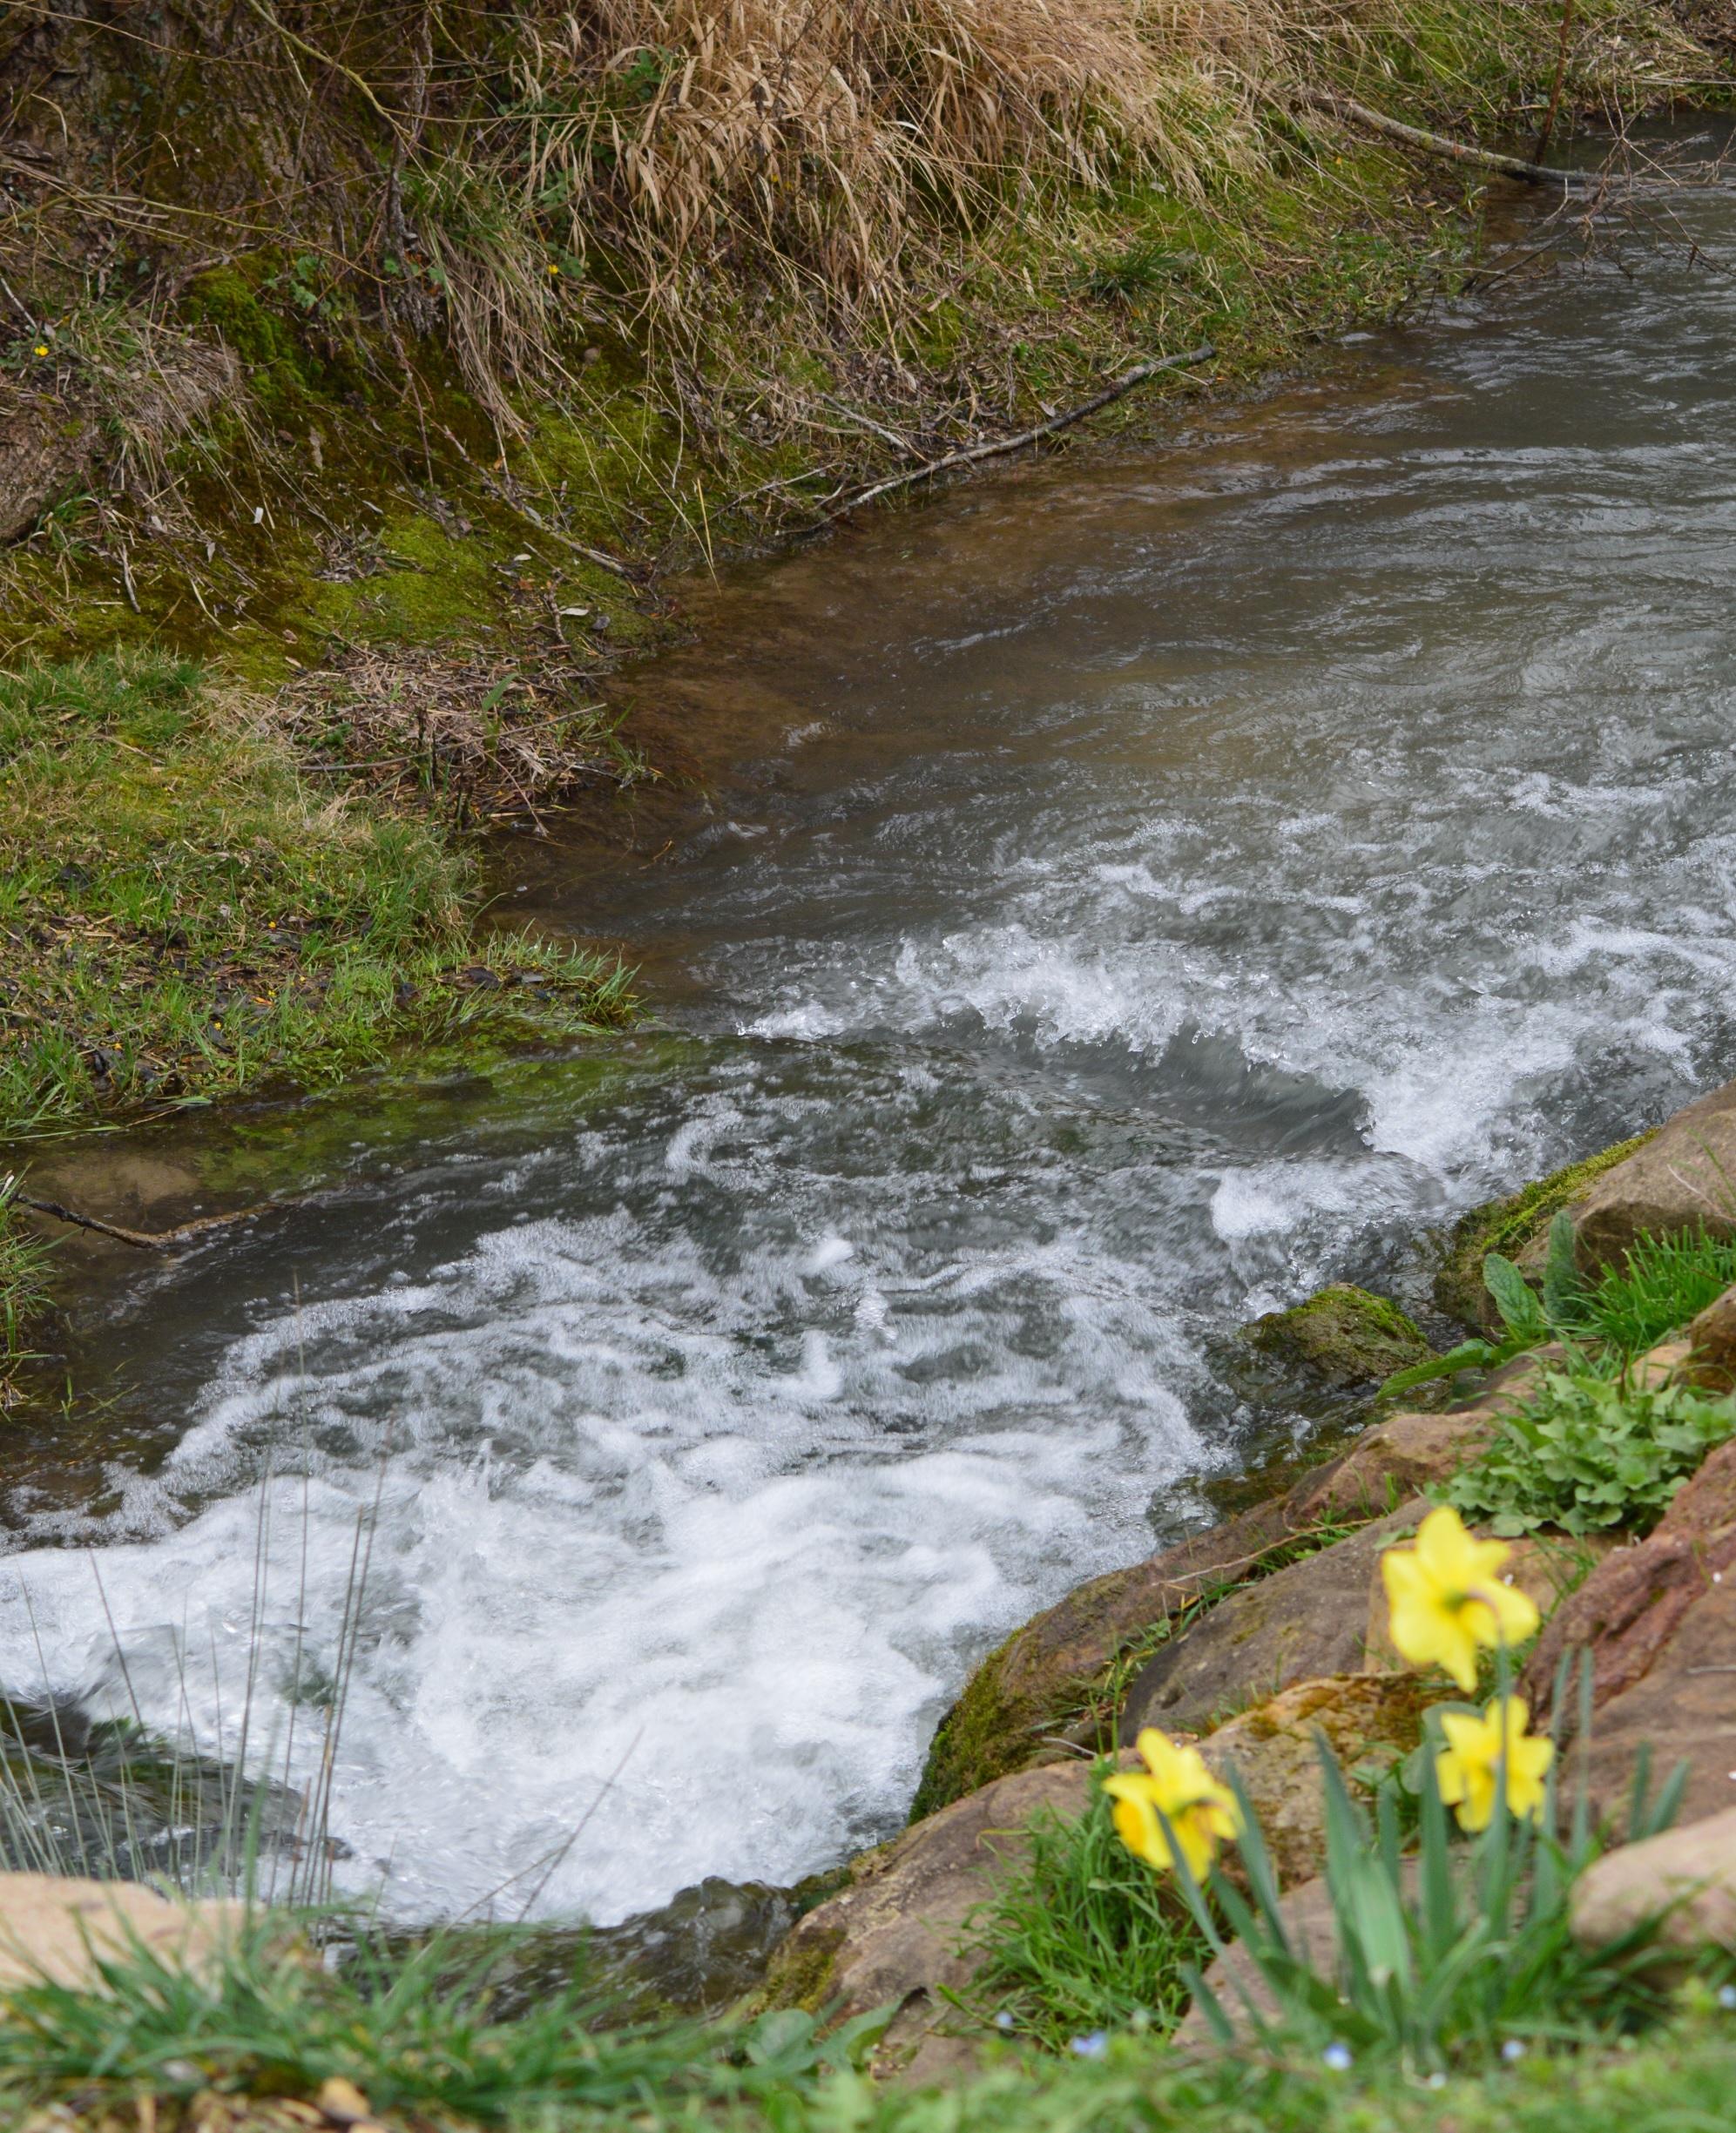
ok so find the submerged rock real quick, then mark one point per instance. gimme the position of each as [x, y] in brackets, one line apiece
[1343, 1333]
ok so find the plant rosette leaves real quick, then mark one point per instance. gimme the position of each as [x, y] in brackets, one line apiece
[1589, 1454]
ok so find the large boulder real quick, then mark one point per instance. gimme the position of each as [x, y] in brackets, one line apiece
[1659, 1619]
[892, 1938]
[1033, 1684]
[1366, 1718]
[1682, 1178]
[1686, 1878]
[1295, 1625]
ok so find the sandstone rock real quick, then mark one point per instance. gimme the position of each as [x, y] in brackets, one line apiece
[50, 1927]
[1391, 1463]
[1682, 1178]
[1516, 1227]
[1344, 1334]
[1659, 1621]
[1029, 1687]
[1295, 1625]
[892, 1937]
[1273, 1746]
[1711, 1340]
[1688, 1874]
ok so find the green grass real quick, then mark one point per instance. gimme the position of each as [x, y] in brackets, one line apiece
[184, 914]
[415, 2027]
[1082, 1937]
[1663, 1283]
[419, 2033]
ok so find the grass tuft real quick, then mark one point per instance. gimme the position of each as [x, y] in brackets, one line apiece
[183, 915]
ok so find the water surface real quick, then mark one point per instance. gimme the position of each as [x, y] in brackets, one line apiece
[1144, 889]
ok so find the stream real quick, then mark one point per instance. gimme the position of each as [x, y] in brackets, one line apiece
[1136, 889]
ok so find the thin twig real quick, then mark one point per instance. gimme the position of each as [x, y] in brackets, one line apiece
[1124, 383]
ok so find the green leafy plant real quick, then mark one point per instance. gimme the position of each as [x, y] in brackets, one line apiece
[1590, 1454]
[1525, 1317]
[1083, 1936]
[1441, 1955]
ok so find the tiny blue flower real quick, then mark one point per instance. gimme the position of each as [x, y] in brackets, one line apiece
[1437, 2080]
[1004, 2020]
[1512, 2049]
[1727, 1996]
[1337, 2057]
[1093, 2046]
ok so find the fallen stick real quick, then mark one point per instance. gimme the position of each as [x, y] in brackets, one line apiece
[1124, 383]
[142, 1240]
[1439, 145]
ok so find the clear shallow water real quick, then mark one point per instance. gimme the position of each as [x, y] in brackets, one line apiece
[1145, 890]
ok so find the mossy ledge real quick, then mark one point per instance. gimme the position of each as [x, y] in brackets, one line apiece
[1507, 1225]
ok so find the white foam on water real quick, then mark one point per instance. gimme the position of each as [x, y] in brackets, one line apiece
[633, 1567]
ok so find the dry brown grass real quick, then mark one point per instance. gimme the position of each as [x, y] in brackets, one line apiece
[816, 127]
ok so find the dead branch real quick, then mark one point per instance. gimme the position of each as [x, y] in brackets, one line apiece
[1124, 383]
[1438, 144]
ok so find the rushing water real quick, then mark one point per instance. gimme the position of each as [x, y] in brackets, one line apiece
[1146, 889]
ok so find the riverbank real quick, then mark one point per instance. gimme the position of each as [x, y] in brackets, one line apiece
[406, 500]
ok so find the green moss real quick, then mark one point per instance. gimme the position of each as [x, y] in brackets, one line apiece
[1344, 1333]
[801, 1973]
[986, 1735]
[1507, 1225]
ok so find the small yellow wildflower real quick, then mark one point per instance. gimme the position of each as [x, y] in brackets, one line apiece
[42, 347]
[1200, 1812]
[1447, 1597]
[1468, 1766]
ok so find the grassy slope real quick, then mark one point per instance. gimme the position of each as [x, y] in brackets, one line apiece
[425, 2044]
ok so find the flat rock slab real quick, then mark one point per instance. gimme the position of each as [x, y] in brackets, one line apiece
[1297, 1624]
[1659, 1621]
[1687, 1875]
[892, 1938]
[55, 1930]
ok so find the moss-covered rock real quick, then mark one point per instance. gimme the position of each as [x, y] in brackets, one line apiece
[1343, 1333]
[1509, 1225]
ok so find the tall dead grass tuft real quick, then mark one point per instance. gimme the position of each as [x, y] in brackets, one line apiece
[812, 129]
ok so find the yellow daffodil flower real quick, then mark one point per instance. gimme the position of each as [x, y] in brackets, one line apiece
[1470, 1765]
[1447, 1597]
[1175, 1782]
